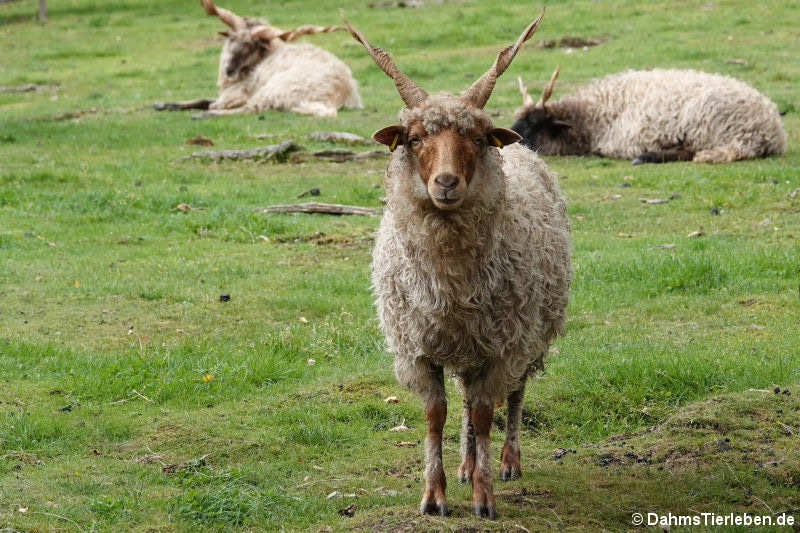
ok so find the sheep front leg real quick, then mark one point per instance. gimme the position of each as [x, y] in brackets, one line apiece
[510, 464]
[433, 499]
[467, 444]
[482, 492]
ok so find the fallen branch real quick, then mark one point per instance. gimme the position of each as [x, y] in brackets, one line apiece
[316, 207]
[28, 87]
[340, 155]
[278, 152]
[653, 200]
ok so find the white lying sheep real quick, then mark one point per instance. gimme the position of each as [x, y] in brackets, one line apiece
[259, 70]
[654, 116]
[471, 267]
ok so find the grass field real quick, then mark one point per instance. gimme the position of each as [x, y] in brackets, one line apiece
[133, 399]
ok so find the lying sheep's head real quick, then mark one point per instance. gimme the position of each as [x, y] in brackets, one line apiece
[249, 41]
[446, 136]
[540, 129]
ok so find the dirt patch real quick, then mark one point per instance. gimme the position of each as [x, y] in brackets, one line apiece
[571, 42]
[322, 239]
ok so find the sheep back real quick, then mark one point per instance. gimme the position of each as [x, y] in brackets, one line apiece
[640, 111]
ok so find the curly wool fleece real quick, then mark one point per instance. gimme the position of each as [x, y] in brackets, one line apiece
[444, 110]
[484, 287]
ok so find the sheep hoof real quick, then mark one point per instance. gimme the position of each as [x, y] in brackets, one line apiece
[434, 508]
[509, 472]
[484, 510]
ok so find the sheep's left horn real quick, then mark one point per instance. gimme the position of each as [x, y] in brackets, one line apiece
[291, 35]
[548, 90]
[527, 101]
[409, 91]
[480, 91]
[228, 17]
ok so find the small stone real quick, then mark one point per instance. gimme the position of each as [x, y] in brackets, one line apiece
[776, 390]
[715, 210]
[314, 191]
[225, 297]
[625, 185]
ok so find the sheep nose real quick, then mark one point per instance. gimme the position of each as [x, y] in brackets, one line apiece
[446, 181]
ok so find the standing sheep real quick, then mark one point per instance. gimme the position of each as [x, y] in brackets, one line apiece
[653, 116]
[470, 270]
[258, 70]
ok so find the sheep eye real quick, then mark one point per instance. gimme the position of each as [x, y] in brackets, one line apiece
[415, 140]
[480, 141]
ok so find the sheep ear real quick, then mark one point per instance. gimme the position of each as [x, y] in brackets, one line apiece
[263, 33]
[500, 137]
[225, 33]
[392, 136]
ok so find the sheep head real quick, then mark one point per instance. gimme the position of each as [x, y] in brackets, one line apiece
[541, 128]
[445, 136]
[250, 40]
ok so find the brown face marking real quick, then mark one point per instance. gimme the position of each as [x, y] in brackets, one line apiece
[447, 161]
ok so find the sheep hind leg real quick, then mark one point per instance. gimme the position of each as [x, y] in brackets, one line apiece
[721, 154]
[510, 467]
[467, 444]
[482, 491]
[200, 103]
[318, 109]
[433, 499]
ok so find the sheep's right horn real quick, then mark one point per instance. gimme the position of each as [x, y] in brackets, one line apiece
[291, 35]
[527, 101]
[228, 17]
[480, 91]
[548, 90]
[409, 91]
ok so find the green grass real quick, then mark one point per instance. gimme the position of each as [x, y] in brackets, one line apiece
[117, 357]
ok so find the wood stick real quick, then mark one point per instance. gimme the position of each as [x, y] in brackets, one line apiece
[316, 207]
[340, 155]
[264, 153]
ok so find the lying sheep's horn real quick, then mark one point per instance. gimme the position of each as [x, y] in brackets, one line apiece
[548, 90]
[480, 91]
[291, 35]
[228, 17]
[527, 101]
[409, 91]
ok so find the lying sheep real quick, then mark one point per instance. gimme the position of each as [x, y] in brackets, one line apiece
[470, 270]
[654, 116]
[258, 70]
